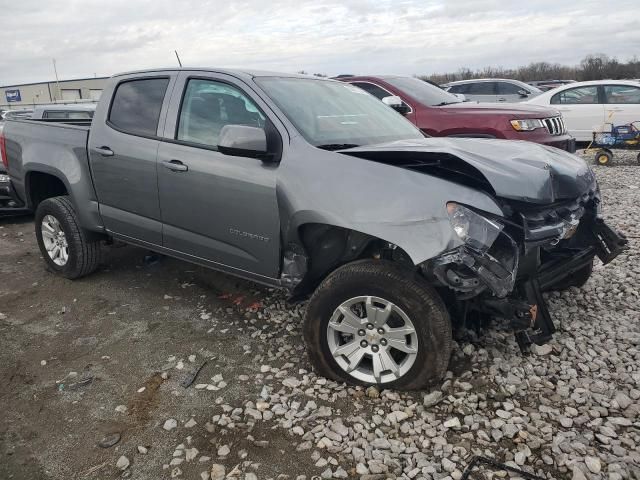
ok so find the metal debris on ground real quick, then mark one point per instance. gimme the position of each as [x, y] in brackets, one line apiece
[477, 462]
[191, 377]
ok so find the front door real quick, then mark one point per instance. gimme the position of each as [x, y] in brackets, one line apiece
[622, 104]
[123, 152]
[219, 208]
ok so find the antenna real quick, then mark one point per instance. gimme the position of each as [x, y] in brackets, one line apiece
[57, 81]
[178, 57]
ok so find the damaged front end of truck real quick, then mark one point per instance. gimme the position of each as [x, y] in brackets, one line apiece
[549, 229]
[506, 263]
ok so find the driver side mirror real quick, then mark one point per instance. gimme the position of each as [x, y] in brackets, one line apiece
[523, 93]
[242, 141]
[397, 104]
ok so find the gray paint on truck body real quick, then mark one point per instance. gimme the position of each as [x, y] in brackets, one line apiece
[196, 215]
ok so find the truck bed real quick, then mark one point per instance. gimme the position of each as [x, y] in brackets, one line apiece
[55, 148]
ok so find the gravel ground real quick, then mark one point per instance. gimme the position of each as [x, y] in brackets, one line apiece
[103, 359]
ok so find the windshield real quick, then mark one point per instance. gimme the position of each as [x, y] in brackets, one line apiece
[336, 115]
[422, 91]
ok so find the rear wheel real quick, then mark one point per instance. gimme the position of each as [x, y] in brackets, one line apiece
[638, 159]
[604, 157]
[375, 323]
[64, 245]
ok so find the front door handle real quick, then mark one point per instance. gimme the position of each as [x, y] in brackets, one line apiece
[502, 99]
[175, 165]
[104, 151]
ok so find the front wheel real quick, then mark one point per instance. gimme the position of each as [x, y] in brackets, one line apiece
[64, 245]
[376, 323]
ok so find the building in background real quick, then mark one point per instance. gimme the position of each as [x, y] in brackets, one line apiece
[63, 91]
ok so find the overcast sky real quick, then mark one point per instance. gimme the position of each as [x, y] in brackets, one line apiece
[88, 37]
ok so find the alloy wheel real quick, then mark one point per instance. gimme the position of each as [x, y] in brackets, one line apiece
[55, 241]
[372, 339]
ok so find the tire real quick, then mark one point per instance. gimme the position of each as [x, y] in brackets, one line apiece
[577, 279]
[411, 296]
[82, 255]
[604, 157]
[638, 159]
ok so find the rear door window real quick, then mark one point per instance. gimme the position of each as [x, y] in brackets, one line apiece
[136, 106]
[576, 96]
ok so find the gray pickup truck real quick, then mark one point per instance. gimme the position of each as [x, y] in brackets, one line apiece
[316, 186]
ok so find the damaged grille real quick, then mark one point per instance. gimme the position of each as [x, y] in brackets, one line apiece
[552, 223]
[555, 125]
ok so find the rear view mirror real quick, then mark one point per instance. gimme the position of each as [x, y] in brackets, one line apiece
[523, 93]
[460, 96]
[242, 141]
[397, 104]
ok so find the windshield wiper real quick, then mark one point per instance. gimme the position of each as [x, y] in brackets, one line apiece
[442, 104]
[337, 146]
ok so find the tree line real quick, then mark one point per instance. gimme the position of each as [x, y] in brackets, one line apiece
[592, 67]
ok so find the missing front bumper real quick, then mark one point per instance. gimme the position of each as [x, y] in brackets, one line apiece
[514, 291]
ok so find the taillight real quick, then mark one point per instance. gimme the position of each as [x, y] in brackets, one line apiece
[3, 151]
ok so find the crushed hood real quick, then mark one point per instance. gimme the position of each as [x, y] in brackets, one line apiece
[508, 169]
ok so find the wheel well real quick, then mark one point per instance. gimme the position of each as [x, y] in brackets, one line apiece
[328, 247]
[41, 186]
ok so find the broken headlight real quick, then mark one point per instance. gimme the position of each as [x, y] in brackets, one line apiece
[474, 230]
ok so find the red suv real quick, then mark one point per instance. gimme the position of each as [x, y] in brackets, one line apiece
[441, 114]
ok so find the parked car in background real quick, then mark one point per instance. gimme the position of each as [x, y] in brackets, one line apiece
[493, 90]
[82, 111]
[592, 106]
[442, 114]
[545, 85]
[315, 186]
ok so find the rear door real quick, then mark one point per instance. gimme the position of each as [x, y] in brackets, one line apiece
[622, 104]
[123, 152]
[218, 208]
[582, 111]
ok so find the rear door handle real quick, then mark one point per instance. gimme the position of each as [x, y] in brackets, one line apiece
[104, 151]
[175, 165]
[502, 99]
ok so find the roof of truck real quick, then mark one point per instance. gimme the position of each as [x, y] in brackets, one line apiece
[236, 72]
